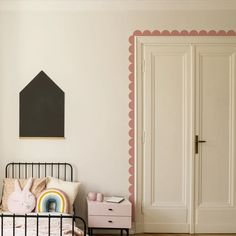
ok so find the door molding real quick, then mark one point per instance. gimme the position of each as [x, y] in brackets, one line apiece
[136, 135]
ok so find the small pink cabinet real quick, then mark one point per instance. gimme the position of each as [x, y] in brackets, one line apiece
[109, 215]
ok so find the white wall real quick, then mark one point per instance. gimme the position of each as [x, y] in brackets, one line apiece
[86, 53]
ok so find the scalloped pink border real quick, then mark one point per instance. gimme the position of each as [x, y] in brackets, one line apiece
[132, 85]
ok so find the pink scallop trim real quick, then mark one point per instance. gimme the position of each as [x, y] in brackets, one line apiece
[132, 86]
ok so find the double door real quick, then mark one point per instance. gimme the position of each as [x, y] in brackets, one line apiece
[188, 132]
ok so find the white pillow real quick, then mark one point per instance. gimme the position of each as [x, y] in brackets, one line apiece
[70, 188]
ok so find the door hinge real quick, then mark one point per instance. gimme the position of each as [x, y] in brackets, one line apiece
[143, 66]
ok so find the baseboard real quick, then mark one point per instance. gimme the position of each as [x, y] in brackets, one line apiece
[139, 228]
[166, 228]
[216, 228]
[184, 228]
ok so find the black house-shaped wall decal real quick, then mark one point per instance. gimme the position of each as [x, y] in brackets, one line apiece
[42, 108]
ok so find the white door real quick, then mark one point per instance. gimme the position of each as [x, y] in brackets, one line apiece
[166, 150]
[215, 180]
[188, 88]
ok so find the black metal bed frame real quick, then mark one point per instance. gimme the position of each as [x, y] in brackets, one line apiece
[36, 170]
[43, 169]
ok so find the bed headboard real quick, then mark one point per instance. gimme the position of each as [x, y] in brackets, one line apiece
[20, 170]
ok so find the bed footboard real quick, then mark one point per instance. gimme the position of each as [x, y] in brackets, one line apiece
[41, 225]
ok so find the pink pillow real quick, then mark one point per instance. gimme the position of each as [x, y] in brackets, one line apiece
[22, 201]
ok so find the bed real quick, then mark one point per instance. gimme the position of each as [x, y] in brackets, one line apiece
[43, 223]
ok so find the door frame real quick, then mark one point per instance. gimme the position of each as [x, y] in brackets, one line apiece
[136, 132]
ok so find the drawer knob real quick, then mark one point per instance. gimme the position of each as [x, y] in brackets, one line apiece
[110, 221]
[110, 209]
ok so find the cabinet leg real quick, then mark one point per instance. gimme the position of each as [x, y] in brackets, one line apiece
[126, 230]
[90, 231]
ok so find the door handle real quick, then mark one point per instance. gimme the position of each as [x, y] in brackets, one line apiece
[197, 141]
[201, 141]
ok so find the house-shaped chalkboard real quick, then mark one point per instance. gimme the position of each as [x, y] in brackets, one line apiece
[42, 108]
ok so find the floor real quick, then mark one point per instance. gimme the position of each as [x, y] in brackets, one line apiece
[173, 234]
[185, 234]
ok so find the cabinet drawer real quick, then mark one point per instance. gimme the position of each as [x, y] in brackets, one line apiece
[108, 209]
[109, 222]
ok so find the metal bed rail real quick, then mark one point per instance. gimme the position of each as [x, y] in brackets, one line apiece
[38, 217]
[19, 170]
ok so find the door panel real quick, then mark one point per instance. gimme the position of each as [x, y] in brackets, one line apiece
[215, 163]
[187, 89]
[166, 87]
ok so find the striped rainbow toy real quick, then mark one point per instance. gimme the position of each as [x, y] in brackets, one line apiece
[52, 200]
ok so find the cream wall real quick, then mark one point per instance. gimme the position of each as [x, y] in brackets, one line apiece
[86, 53]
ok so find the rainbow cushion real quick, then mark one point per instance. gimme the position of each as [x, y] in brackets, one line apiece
[52, 200]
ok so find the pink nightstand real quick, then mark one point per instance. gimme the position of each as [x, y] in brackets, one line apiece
[106, 215]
